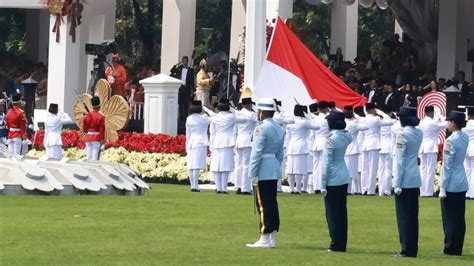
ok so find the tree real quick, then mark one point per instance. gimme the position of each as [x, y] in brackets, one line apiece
[12, 30]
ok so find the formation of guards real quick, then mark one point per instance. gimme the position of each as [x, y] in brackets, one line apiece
[333, 152]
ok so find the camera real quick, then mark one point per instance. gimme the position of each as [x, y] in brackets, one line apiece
[102, 49]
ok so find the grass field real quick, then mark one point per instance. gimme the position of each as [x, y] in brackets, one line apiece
[173, 226]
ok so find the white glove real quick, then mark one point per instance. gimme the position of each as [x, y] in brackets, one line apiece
[324, 192]
[442, 193]
[398, 191]
[254, 181]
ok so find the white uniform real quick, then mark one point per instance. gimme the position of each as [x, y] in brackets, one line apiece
[385, 160]
[283, 120]
[469, 162]
[243, 148]
[298, 151]
[429, 153]
[308, 178]
[354, 126]
[320, 138]
[223, 136]
[370, 150]
[53, 127]
[196, 146]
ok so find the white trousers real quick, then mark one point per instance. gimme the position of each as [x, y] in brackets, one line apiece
[194, 178]
[352, 163]
[221, 179]
[469, 166]
[54, 152]
[427, 171]
[317, 170]
[369, 171]
[93, 149]
[242, 161]
[299, 181]
[14, 146]
[385, 174]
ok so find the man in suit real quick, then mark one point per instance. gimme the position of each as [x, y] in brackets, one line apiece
[429, 150]
[265, 169]
[186, 74]
[407, 181]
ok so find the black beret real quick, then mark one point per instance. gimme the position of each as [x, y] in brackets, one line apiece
[331, 104]
[53, 108]
[429, 109]
[196, 103]
[336, 115]
[16, 97]
[246, 101]
[470, 111]
[456, 116]
[369, 106]
[323, 105]
[407, 111]
[95, 101]
[348, 108]
[313, 108]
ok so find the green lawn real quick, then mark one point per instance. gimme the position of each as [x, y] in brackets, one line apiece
[173, 226]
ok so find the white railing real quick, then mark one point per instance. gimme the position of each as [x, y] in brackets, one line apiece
[136, 111]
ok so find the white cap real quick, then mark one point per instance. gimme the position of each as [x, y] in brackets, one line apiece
[266, 104]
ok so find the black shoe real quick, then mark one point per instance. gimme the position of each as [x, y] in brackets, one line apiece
[297, 193]
[246, 193]
[224, 192]
[219, 192]
[317, 192]
[195, 190]
[292, 192]
[238, 191]
[304, 192]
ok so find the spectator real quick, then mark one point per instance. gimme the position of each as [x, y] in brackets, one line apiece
[186, 74]
[204, 84]
[117, 76]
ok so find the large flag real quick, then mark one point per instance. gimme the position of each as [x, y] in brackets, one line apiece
[292, 72]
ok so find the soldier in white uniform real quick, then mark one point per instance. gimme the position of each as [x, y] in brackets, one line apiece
[53, 127]
[429, 150]
[197, 143]
[353, 126]
[222, 138]
[319, 143]
[469, 162]
[308, 179]
[298, 148]
[371, 148]
[385, 157]
[356, 186]
[243, 147]
[283, 120]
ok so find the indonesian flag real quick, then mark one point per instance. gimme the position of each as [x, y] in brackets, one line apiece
[292, 72]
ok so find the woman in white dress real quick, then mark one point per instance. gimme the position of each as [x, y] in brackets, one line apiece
[53, 127]
[223, 138]
[197, 143]
[298, 148]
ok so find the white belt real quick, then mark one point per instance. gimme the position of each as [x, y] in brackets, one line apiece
[15, 129]
[93, 133]
[268, 155]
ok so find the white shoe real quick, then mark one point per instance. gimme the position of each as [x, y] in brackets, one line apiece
[273, 239]
[263, 242]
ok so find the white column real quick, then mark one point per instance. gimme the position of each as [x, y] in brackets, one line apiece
[465, 30]
[398, 30]
[161, 104]
[237, 25]
[179, 19]
[282, 8]
[255, 41]
[447, 27]
[344, 29]
[64, 67]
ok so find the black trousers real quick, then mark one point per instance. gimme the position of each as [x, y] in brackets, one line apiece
[407, 219]
[335, 203]
[267, 206]
[183, 102]
[453, 209]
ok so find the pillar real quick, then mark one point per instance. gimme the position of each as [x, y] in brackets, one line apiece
[179, 19]
[237, 25]
[161, 104]
[344, 29]
[447, 27]
[254, 46]
[64, 67]
[398, 30]
[282, 8]
[464, 31]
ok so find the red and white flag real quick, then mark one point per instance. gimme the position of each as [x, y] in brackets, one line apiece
[291, 71]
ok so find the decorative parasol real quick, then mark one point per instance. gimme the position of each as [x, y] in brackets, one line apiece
[114, 108]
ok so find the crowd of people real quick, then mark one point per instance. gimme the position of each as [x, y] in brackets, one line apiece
[335, 153]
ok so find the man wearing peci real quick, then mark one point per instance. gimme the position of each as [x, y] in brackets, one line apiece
[265, 169]
[186, 74]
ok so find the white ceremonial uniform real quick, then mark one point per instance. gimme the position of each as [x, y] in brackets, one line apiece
[298, 150]
[360, 161]
[243, 148]
[385, 160]
[320, 138]
[370, 149]
[469, 161]
[283, 120]
[196, 146]
[308, 178]
[354, 126]
[429, 153]
[53, 127]
[222, 138]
